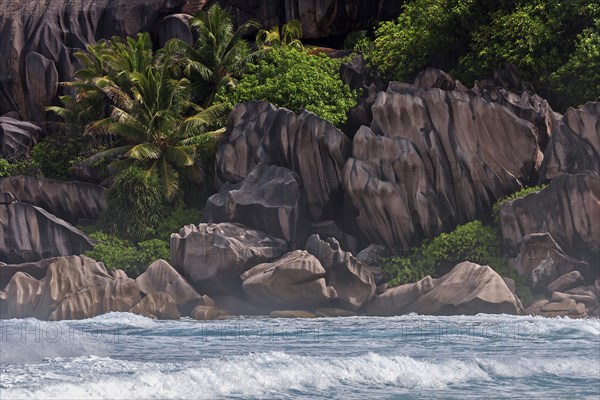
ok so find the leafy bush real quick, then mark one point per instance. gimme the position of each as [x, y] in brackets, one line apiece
[56, 155]
[578, 80]
[26, 167]
[358, 42]
[177, 220]
[517, 195]
[117, 253]
[294, 79]
[469, 242]
[136, 205]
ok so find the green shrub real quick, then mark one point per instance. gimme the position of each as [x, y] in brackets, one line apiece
[177, 220]
[27, 167]
[358, 42]
[117, 253]
[517, 195]
[56, 155]
[295, 79]
[136, 205]
[469, 242]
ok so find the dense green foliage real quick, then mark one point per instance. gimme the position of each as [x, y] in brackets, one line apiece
[135, 205]
[175, 221]
[219, 55]
[56, 155]
[517, 195]
[297, 80]
[27, 167]
[117, 253]
[553, 44]
[469, 242]
[288, 35]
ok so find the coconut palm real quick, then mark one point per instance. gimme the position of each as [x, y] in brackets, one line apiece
[150, 117]
[289, 35]
[218, 56]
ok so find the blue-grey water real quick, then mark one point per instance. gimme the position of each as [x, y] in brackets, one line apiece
[123, 356]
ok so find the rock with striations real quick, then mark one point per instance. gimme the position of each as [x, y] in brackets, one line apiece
[269, 199]
[432, 160]
[212, 256]
[156, 305]
[320, 19]
[565, 282]
[468, 289]
[295, 281]
[73, 287]
[17, 138]
[540, 260]
[568, 209]
[39, 40]
[71, 201]
[352, 280]
[395, 301]
[311, 147]
[575, 143]
[29, 233]
[160, 276]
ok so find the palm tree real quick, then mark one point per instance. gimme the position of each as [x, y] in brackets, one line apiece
[218, 56]
[150, 119]
[289, 35]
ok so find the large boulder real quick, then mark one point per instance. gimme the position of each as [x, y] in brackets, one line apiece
[568, 209]
[575, 143]
[17, 138]
[160, 276]
[467, 289]
[269, 199]
[212, 256]
[38, 42]
[351, 279]
[313, 148]
[156, 305]
[395, 301]
[295, 281]
[432, 160]
[540, 260]
[73, 287]
[71, 201]
[29, 233]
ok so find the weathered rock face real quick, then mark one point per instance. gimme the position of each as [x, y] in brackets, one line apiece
[565, 282]
[468, 289]
[70, 201]
[311, 147]
[39, 39]
[212, 256]
[296, 280]
[395, 301]
[541, 260]
[351, 279]
[269, 200]
[156, 305]
[568, 209]
[74, 287]
[432, 160]
[162, 277]
[29, 233]
[319, 18]
[17, 137]
[575, 143]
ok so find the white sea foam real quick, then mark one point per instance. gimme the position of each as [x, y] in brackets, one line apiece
[259, 375]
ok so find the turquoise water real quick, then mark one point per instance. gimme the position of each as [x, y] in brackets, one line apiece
[123, 356]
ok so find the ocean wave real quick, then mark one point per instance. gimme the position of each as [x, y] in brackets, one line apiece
[272, 373]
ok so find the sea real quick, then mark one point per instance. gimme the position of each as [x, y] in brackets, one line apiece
[125, 356]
